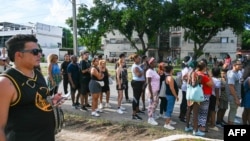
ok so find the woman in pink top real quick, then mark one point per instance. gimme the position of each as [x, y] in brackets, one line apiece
[153, 81]
[227, 62]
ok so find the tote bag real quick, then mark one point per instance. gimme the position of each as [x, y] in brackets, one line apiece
[195, 93]
[110, 81]
[163, 89]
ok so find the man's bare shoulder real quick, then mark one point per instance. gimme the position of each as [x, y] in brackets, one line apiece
[7, 88]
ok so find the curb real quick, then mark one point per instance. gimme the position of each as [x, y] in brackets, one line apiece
[183, 136]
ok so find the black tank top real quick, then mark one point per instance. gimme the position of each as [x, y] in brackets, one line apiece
[106, 77]
[94, 77]
[31, 116]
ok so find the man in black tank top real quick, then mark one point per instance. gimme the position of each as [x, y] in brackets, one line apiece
[24, 95]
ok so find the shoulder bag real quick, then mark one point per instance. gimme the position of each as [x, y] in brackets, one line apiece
[194, 93]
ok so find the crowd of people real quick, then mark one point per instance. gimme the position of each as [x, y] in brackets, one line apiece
[24, 90]
[224, 87]
[221, 86]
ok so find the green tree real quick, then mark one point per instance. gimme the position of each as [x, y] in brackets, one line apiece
[246, 40]
[89, 37]
[143, 17]
[92, 40]
[67, 40]
[203, 19]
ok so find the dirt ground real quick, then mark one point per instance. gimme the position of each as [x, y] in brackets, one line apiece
[78, 128]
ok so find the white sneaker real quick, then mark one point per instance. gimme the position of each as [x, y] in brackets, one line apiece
[107, 105]
[122, 108]
[100, 106]
[120, 111]
[156, 116]
[168, 126]
[95, 114]
[152, 121]
[98, 110]
[161, 115]
[173, 122]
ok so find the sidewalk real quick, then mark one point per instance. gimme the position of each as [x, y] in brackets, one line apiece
[111, 114]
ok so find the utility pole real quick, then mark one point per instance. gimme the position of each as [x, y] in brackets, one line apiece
[75, 47]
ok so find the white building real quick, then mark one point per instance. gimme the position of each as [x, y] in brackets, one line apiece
[224, 42]
[49, 37]
[115, 44]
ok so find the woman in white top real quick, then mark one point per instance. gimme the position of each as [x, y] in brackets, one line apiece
[137, 83]
[214, 98]
[184, 73]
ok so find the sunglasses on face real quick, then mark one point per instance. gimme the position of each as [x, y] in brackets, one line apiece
[32, 51]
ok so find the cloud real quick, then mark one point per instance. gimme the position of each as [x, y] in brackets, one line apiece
[59, 11]
[52, 12]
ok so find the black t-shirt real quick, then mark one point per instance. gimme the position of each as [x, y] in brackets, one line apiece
[83, 66]
[73, 69]
[64, 67]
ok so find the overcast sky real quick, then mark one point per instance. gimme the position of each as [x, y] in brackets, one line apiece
[52, 12]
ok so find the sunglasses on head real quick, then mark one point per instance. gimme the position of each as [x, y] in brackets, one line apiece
[33, 51]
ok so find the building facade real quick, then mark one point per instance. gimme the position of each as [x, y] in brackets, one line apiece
[114, 43]
[49, 37]
[171, 43]
[225, 42]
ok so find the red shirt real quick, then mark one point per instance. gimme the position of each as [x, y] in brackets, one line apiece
[205, 78]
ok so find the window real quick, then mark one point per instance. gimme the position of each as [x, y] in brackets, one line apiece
[215, 40]
[224, 39]
[175, 42]
[112, 54]
[112, 40]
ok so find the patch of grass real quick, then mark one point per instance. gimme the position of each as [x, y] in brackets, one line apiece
[123, 130]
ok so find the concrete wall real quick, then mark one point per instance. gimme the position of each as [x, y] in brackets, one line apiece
[115, 44]
[216, 47]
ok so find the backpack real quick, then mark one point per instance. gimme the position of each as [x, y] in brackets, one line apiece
[178, 79]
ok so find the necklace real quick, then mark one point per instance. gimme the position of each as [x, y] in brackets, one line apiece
[33, 74]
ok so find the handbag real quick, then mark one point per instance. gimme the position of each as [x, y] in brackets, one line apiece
[110, 81]
[195, 93]
[101, 83]
[162, 92]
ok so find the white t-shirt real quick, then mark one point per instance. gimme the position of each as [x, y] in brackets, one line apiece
[217, 84]
[184, 72]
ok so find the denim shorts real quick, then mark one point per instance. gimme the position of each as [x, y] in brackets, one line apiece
[170, 105]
